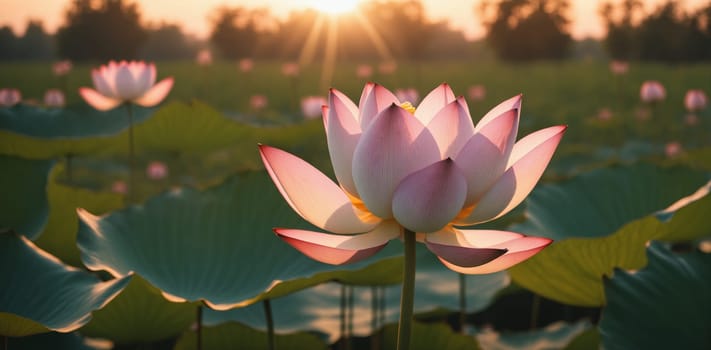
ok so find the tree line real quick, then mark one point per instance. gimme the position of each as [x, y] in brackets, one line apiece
[516, 30]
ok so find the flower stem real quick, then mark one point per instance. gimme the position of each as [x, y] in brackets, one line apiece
[462, 302]
[535, 309]
[407, 297]
[198, 331]
[270, 323]
[131, 156]
[374, 308]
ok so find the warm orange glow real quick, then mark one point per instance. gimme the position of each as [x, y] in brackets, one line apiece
[334, 7]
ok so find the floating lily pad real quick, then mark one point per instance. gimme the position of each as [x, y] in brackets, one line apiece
[53, 340]
[666, 305]
[41, 294]
[554, 336]
[318, 308]
[79, 121]
[599, 202]
[59, 235]
[140, 314]
[216, 246]
[237, 336]
[571, 271]
[23, 184]
[587, 340]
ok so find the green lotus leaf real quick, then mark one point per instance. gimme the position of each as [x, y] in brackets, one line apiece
[599, 202]
[39, 133]
[41, 294]
[666, 305]
[237, 336]
[79, 121]
[318, 308]
[52, 340]
[554, 336]
[571, 271]
[216, 246]
[587, 340]
[429, 336]
[23, 184]
[140, 314]
[59, 235]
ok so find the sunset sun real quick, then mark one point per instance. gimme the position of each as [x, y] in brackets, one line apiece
[334, 7]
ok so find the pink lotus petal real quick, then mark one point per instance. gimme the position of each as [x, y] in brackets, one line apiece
[145, 76]
[437, 99]
[103, 82]
[324, 117]
[427, 200]
[501, 108]
[394, 146]
[313, 195]
[342, 133]
[156, 94]
[449, 245]
[483, 158]
[378, 100]
[97, 100]
[339, 249]
[364, 95]
[452, 127]
[519, 248]
[526, 165]
[126, 85]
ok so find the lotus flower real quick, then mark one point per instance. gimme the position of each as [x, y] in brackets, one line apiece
[258, 102]
[311, 106]
[387, 67]
[364, 71]
[121, 82]
[695, 100]
[652, 91]
[204, 57]
[619, 67]
[427, 170]
[62, 68]
[246, 65]
[156, 170]
[9, 97]
[290, 69]
[476, 92]
[54, 98]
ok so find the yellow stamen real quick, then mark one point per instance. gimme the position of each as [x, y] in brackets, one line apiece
[408, 107]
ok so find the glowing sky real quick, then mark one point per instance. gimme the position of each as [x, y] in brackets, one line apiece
[193, 14]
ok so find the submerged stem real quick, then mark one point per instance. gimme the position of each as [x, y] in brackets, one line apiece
[270, 323]
[462, 302]
[407, 297]
[131, 156]
[199, 327]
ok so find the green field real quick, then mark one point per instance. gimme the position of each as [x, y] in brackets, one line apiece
[599, 200]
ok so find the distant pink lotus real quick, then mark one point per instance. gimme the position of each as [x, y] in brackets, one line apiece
[691, 119]
[673, 149]
[695, 100]
[387, 67]
[121, 82]
[258, 102]
[403, 171]
[54, 98]
[62, 67]
[618, 67]
[652, 91]
[290, 69]
[9, 97]
[408, 95]
[119, 186]
[156, 170]
[604, 114]
[246, 65]
[311, 106]
[364, 71]
[204, 57]
[476, 92]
